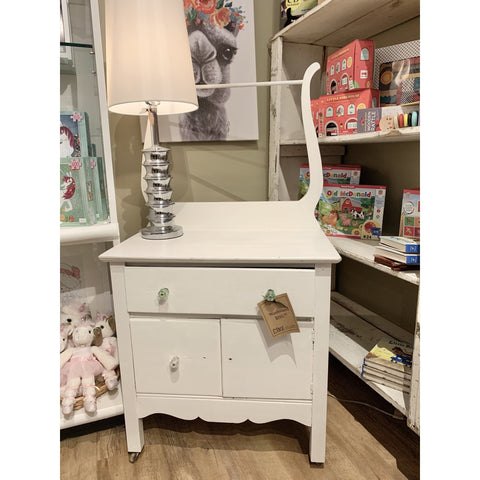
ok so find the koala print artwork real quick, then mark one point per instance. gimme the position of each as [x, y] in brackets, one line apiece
[215, 28]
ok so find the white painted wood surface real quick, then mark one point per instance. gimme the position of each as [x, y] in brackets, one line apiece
[110, 404]
[363, 251]
[219, 291]
[93, 100]
[336, 23]
[351, 338]
[177, 355]
[255, 365]
[229, 255]
[327, 27]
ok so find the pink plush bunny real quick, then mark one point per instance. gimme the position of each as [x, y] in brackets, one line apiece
[106, 324]
[82, 363]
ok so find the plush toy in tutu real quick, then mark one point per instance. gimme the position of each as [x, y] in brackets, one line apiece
[80, 364]
[106, 324]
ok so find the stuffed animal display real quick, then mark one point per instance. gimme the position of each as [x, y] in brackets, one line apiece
[84, 355]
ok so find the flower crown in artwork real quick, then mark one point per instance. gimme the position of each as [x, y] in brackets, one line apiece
[219, 13]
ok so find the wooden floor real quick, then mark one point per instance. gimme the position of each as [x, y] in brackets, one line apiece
[362, 443]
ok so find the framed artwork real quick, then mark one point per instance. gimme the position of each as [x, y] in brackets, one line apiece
[73, 134]
[222, 43]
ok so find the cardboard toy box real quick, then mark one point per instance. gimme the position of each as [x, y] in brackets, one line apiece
[338, 114]
[399, 82]
[382, 119]
[332, 174]
[77, 192]
[410, 216]
[354, 211]
[350, 67]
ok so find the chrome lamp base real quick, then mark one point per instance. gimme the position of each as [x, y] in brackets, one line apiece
[161, 217]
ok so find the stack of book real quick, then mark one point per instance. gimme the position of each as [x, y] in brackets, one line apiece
[399, 253]
[389, 363]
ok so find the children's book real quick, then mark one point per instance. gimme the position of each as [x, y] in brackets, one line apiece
[391, 353]
[408, 258]
[387, 373]
[402, 244]
[388, 383]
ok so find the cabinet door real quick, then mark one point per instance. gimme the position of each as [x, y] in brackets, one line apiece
[255, 365]
[176, 356]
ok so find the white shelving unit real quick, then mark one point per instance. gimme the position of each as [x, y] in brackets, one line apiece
[82, 83]
[329, 26]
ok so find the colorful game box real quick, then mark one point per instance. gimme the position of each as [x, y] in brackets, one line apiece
[388, 118]
[332, 174]
[74, 138]
[410, 216]
[338, 114]
[354, 211]
[77, 196]
[399, 82]
[350, 67]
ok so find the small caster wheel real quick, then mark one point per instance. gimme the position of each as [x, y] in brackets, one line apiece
[132, 457]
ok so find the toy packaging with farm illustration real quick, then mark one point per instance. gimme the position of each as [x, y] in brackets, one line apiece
[350, 67]
[333, 174]
[410, 216]
[338, 114]
[354, 211]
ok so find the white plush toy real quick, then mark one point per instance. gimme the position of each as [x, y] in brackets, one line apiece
[82, 363]
[106, 324]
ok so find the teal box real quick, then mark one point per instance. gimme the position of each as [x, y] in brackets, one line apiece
[77, 196]
[74, 136]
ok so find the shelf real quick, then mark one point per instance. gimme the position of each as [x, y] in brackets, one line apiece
[408, 134]
[108, 405]
[105, 232]
[362, 251]
[352, 337]
[335, 23]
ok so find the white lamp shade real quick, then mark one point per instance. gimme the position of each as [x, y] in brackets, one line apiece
[148, 57]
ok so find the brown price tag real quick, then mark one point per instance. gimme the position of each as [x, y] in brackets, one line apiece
[279, 316]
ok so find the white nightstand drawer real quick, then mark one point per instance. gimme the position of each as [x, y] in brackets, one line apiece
[255, 365]
[176, 356]
[218, 291]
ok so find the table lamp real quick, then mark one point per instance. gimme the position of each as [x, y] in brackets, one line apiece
[149, 72]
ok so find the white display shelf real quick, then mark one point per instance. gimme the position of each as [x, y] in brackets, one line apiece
[105, 232]
[334, 23]
[362, 251]
[108, 405]
[408, 134]
[354, 331]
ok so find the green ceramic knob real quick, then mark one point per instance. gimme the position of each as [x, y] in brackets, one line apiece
[163, 293]
[270, 295]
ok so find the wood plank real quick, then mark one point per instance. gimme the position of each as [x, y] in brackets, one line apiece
[362, 251]
[351, 339]
[362, 443]
[336, 23]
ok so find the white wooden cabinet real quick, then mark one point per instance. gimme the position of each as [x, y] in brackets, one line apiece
[201, 348]
[82, 85]
[327, 27]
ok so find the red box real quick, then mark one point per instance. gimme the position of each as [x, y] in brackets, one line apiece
[350, 67]
[338, 114]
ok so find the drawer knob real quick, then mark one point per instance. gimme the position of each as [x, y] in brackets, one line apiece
[174, 363]
[163, 293]
[270, 295]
